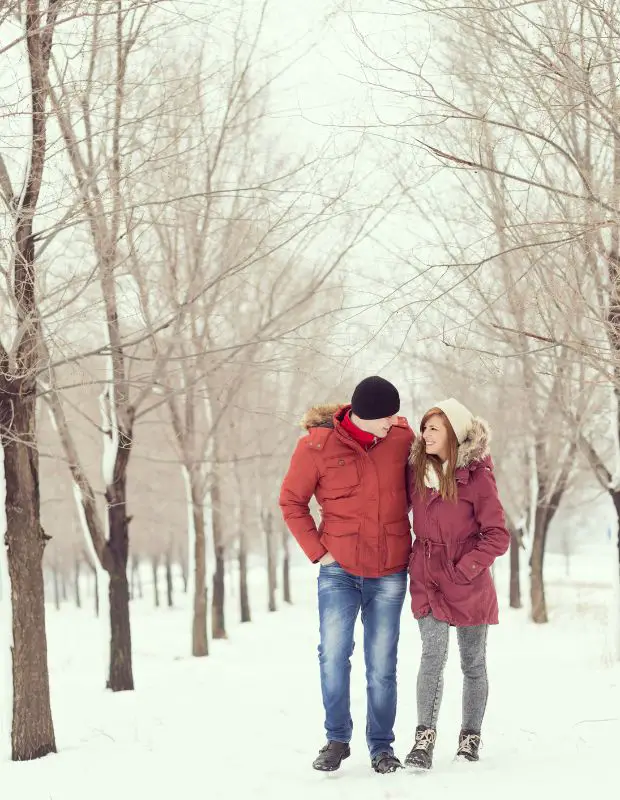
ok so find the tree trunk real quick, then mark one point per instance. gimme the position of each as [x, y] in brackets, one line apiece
[200, 645]
[136, 578]
[95, 588]
[241, 522]
[218, 624]
[615, 496]
[169, 582]
[271, 561]
[120, 676]
[155, 567]
[286, 568]
[244, 597]
[184, 571]
[566, 548]
[132, 584]
[63, 586]
[76, 581]
[544, 514]
[56, 587]
[110, 553]
[516, 545]
[32, 732]
[546, 509]
[198, 548]
[537, 585]
[218, 621]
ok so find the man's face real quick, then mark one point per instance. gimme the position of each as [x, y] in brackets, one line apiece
[378, 427]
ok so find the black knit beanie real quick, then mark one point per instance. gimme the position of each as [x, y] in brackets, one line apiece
[375, 398]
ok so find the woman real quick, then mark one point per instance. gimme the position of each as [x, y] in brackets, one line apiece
[460, 530]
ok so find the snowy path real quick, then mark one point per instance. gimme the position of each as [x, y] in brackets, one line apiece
[247, 721]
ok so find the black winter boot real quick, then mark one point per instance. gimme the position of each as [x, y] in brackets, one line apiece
[469, 744]
[385, 762]
[331, 756]
[421, 754]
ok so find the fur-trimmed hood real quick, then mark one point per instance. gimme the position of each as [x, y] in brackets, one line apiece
[475, 448]
[321, 416]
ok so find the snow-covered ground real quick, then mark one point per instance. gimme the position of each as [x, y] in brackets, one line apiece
[247, 720]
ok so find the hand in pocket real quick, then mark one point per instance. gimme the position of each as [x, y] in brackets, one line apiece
[457, 576]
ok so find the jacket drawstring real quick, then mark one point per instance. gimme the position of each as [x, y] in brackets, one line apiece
[428, 545]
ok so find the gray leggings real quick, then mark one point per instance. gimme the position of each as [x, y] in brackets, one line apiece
[472, 646]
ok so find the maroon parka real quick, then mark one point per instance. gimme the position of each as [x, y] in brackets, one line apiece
[456, 543]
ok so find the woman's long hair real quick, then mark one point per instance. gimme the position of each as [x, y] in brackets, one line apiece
[423, 462]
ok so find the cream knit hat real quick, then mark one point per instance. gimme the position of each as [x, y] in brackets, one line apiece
[460, 417]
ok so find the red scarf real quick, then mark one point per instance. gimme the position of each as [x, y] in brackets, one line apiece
[361, 437]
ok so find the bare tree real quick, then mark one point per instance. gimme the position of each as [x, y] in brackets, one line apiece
[103, 204]
[169, 578]
[242, 523]
[536, 183]
[516, 545]
[32, 732]
[286, 568]
[77, 577]
[240, 256]
[268, 528]
[114, 34]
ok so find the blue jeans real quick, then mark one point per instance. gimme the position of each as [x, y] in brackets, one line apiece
[341, 597]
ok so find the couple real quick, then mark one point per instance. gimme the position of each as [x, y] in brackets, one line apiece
[366, 469]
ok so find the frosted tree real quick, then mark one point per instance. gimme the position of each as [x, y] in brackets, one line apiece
[537, 184]
[32, 27]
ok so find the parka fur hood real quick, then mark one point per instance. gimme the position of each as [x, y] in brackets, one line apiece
[321, 416]
[474, 450]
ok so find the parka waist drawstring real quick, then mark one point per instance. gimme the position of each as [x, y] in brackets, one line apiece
[428, 545]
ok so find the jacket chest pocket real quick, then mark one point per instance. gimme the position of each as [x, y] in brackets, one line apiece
[340, 473]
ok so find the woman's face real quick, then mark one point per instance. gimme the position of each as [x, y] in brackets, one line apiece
[435, 435]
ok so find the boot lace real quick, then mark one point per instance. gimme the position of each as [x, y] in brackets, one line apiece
[425, 739]
[468, 743]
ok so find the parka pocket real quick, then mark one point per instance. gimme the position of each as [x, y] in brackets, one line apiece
[341, 538]
[397, 544]
[340, 473]
[454, 575]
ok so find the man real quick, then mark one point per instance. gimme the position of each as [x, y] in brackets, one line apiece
[353, 459]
